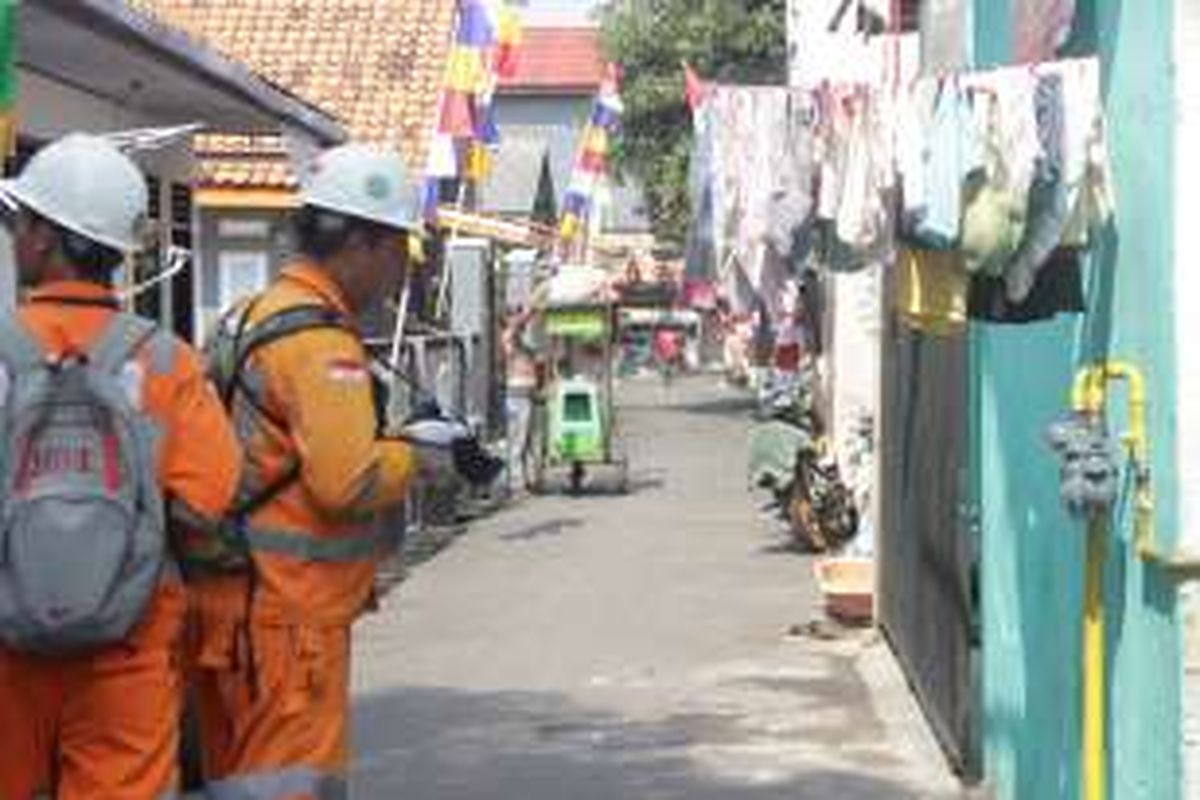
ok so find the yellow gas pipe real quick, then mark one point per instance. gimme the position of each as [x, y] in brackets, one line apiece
[1137, 440]
[1089, 396]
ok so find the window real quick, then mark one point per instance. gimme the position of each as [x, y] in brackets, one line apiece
[154, 192]
[240, 273]
[577, 407]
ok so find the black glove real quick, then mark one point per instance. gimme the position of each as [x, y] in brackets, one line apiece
[471, 461]
[475, 464]
[379, 399]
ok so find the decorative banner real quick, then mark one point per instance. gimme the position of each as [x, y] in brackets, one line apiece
[8, 78]
[477, 164]
[591, 163]
[509, 39]
[695, 90]
[486, 39]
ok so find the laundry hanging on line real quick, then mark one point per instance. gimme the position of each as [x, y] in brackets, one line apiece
[1005, 166]
[757, 195]
[787, 178]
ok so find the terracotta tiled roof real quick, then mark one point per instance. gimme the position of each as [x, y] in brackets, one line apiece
[558, 59]
[376, 65]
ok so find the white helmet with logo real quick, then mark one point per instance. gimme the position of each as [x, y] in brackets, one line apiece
[86, 185]
[366, 182]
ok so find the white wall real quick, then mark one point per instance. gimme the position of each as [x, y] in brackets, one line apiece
[856, 301]
[946, 35]
[1187, 256]
[815, 54]
[856, 353]
[46, 110]
[1187, 336]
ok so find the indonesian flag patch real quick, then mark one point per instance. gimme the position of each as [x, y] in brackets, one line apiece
[347, 370]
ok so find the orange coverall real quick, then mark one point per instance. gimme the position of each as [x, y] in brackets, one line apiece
[105, 724]
[271, 650]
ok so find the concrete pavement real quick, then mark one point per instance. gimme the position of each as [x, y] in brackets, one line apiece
[632, 648]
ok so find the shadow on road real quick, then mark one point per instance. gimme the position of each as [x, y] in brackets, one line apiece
[737, 406]
[441, 744]
[541, 530]
[785, 547]
[606, 485]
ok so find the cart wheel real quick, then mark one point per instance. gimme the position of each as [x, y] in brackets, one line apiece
[536, 480]
[577, 474]
[535, 472]
[619, 456]
[623, 476]
[533, 456]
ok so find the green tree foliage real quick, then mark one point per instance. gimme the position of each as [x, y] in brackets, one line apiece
[731, 41]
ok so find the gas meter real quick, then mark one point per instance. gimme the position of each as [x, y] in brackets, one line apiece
[1089, 472]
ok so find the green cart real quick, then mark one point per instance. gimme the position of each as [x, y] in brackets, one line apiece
[574, 426]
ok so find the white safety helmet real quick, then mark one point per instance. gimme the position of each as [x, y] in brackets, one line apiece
[363, 181]
[86, 185]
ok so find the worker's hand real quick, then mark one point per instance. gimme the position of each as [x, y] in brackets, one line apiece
[445, 447]
[475, 464]
[433, 441]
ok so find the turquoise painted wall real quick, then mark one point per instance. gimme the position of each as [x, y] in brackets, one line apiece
[1032, 555]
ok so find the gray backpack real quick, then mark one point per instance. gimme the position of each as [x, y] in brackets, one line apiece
[82, 530]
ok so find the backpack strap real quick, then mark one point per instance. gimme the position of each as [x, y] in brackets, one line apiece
[280, 325]
[124, 336]
[251, 338]
[161, 349]
[286, 323]
[18, 349]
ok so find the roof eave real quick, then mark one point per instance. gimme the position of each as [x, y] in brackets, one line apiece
[174, 47]
[221, 196]
[582, 89]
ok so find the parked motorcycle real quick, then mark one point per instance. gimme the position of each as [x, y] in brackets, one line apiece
[791, 459]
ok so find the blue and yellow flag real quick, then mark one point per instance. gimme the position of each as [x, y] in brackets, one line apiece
[486, 36]
[591, 163]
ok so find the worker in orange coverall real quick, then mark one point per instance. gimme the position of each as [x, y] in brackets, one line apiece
[101, 721]
[271, 648]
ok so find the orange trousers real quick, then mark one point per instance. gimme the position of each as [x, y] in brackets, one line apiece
[104, 724]
[273, 705]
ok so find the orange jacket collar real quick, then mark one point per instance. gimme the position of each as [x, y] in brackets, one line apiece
[71, 290]
[318, 280]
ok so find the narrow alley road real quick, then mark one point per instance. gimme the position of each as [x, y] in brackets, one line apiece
[631, 648]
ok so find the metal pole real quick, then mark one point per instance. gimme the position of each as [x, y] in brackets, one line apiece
[397, 345]
[444, 288]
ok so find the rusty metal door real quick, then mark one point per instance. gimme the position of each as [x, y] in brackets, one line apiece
[928, 602]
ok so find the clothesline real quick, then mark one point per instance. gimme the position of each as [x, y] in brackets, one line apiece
[1003, 165]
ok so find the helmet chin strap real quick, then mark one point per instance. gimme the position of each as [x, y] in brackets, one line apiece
[175, 260]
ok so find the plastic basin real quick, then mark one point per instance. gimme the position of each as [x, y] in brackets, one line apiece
[848, 586]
